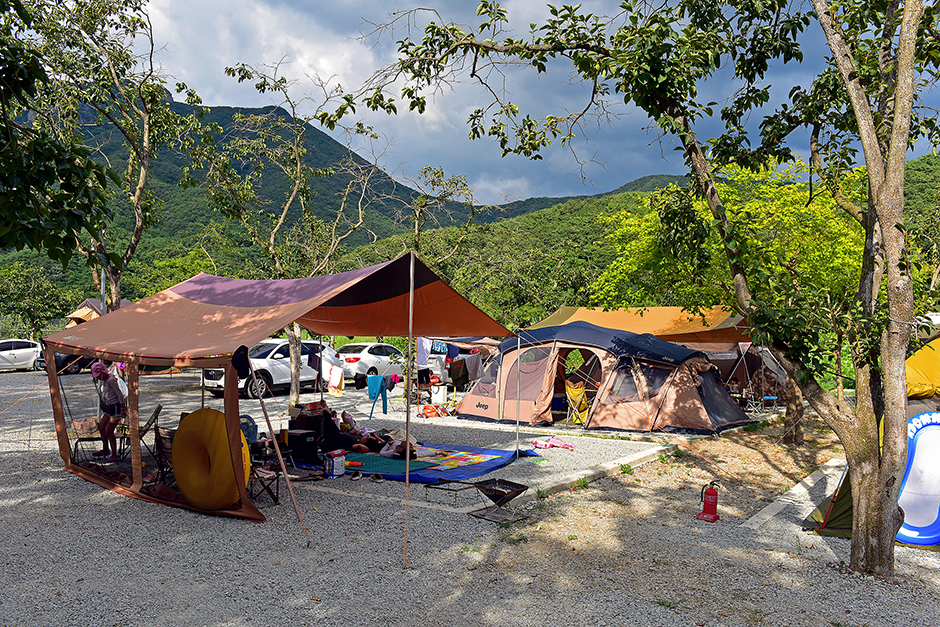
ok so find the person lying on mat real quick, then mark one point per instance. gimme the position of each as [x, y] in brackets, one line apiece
[113, 408]
[396, 450]
[354, 440]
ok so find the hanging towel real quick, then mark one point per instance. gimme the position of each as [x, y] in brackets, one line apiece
[474, 366]
[424, 350]
[359, 380]
[376, 383]
[336, 380]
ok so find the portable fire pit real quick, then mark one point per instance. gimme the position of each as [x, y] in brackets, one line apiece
[500, 492]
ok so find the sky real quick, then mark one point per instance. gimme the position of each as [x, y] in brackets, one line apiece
[197, 40]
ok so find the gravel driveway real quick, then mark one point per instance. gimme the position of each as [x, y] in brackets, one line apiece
[74, 554]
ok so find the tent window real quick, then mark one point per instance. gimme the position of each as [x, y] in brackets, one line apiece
[527, 374]
[487, 384]
[656, 377]
[623, 389]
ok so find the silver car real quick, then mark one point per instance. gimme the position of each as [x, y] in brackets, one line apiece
[270, 359]
[19, 354]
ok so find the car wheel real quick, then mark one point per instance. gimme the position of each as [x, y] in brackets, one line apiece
[257, 387]
[372, 371]
[74, 367]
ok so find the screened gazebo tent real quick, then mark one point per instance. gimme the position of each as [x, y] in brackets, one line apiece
[202, 321]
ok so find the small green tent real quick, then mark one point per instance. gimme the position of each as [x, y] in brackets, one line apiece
[834, 516]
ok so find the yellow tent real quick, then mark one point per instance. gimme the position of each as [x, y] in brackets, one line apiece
[923, 371]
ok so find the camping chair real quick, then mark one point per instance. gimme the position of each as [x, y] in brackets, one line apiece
[163, 449]
[143, 430]
[577, 403]
[265, 479]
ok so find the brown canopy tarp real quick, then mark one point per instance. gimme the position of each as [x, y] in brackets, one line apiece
[672, 324]
[202, 321]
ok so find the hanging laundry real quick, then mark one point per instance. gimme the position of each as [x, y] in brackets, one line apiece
[336, 381]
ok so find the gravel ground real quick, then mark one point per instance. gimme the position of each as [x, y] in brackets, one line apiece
[617, 552]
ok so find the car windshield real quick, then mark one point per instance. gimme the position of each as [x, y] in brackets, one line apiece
[261, 351]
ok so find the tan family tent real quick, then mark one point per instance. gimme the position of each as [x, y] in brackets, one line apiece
[723, 336]
[202, 321]
[630, 381]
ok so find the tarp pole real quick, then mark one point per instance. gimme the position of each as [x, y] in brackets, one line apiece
[320, 369]
[518, 387]
[280, 459]
[411, 321]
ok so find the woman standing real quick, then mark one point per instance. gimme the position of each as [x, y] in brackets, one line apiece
[113, 408]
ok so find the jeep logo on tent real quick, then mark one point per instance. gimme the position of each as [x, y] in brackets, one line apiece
[482, 406]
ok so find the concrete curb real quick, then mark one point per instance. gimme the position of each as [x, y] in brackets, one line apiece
[795, 495]
[599, 471]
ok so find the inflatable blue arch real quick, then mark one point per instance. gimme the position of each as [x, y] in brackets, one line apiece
[920, 489]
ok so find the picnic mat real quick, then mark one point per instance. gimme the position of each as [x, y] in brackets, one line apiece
[387, 467]
[448, 463]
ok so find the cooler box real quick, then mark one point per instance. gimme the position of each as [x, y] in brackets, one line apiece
[303, 445]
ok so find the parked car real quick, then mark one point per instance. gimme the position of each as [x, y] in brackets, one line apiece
[66, 364]
[271, 360]
[370, 358]
[19, 354]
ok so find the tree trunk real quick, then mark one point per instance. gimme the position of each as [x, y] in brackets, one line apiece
[293, 339]
[793, 419]
[113, 277]
[876, 517]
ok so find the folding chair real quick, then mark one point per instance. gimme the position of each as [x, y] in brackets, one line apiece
[163, 449]
[262, 480]
[577, 403]
[143, 430]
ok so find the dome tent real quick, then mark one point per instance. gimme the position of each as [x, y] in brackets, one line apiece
[635, 381]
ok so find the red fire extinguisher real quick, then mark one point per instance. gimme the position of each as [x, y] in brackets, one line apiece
[709, 502]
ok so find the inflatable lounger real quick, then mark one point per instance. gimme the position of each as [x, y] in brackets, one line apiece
[920, 489]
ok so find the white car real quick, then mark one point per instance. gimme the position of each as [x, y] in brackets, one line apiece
[370, 358]
[19, 354]
[270, 359]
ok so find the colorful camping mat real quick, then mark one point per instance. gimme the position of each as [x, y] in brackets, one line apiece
[450, 459]
[375, 463]
[455, 463]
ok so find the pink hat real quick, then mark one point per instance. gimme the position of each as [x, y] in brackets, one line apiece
[97, 369]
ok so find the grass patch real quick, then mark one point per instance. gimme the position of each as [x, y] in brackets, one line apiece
[626, 469]
[515, 539]
[669, 605]
[583, 483]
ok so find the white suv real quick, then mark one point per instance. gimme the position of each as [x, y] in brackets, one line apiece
[270, 359]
